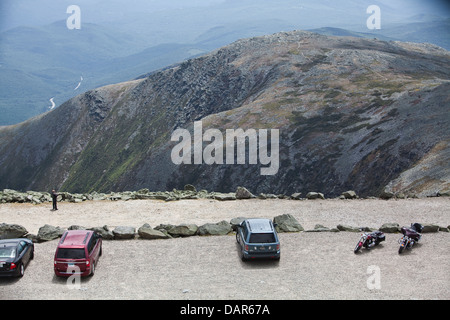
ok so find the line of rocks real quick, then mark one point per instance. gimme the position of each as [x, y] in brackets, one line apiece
[189, 192]
[283, 223]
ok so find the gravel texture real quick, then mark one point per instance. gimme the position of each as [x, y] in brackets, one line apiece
[312, 266]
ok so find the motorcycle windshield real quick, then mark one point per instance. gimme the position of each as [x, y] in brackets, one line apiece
[410, 233]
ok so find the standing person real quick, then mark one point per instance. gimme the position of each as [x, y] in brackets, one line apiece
[54, 197]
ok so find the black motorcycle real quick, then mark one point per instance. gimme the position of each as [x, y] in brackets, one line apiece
[411, 236]
[368, 240]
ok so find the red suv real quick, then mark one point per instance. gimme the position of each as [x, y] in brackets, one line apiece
[77, 253]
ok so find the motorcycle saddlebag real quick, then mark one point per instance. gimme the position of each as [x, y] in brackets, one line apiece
[380, 236]
[417, 227]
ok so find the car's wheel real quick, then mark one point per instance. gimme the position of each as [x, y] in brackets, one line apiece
[243, 257]
[21, 270]
[92, 269]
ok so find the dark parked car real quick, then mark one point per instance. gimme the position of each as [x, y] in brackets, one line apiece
[15, 254]
[78, 252]
[257, 238]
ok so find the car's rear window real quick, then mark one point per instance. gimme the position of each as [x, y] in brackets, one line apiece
[262, 238]
[70, 253]
[7, 252]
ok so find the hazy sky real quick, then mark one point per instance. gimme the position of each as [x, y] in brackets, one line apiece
[310, 13]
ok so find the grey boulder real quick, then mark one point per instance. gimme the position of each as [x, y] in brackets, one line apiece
[215, 229]
[343, 227]
[287, 223]
[124, 232]
[429, 227]
[243, 193]
[104, 232]
[48, 233]
[390, 228]
[147, 232]
[315, 195]
[10, 231]
[319, 228]
[350, 194]
[183, 230]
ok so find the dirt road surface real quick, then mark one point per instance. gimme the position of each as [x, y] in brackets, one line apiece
[312, 265]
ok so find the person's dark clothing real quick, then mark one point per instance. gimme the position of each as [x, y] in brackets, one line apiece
[54, 197]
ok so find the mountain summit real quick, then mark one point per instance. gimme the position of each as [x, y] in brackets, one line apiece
[351, 113]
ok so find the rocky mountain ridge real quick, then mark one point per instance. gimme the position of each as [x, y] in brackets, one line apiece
[357, 114]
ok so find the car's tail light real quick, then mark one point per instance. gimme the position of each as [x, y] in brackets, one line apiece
[246, 247]
[13, 266]
[278, 246]
[87, 262]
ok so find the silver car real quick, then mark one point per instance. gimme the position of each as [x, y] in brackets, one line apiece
[257, 238]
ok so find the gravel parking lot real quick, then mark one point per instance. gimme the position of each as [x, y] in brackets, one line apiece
[312, 265]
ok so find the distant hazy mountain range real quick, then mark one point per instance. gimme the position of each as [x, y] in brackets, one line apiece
[43, 61]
